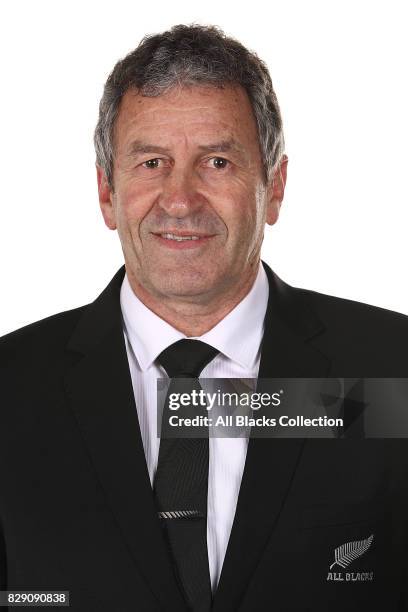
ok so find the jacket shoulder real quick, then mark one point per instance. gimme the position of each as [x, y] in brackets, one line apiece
[41, 337]
[361, 338]
[337, 312]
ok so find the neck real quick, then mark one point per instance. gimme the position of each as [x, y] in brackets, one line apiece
[193, 319]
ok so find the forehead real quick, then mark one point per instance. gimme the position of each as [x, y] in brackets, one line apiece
[194, 112]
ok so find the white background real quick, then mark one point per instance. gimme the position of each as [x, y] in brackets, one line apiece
[340, 72]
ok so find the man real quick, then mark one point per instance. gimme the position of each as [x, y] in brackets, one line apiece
[190, 167]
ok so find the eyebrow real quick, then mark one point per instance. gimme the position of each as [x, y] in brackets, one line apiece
[138, 146]
[223, 146]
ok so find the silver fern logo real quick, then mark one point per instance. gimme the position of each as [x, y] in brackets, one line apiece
[346, 554]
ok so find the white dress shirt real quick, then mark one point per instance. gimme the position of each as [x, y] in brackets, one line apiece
[238, 337]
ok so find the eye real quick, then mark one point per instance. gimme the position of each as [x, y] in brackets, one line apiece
[151, 164]
[219, 162]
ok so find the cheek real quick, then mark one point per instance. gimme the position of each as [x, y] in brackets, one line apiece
[242, 213]
[133, 206]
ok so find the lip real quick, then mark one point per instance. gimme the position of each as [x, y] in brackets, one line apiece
[185, 244]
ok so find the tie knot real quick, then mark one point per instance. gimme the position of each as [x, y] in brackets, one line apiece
[186, 358]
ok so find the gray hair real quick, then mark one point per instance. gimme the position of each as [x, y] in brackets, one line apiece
[190, 55]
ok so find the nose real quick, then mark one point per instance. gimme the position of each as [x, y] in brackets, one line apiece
[179, 196]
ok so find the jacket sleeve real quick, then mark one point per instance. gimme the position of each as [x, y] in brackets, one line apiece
[3, 564]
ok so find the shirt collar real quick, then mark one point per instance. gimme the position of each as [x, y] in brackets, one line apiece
[237, 336]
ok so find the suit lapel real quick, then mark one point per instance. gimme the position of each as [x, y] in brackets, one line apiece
[100, 393]
[270, 463]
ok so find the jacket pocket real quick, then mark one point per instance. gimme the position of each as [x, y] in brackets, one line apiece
[321, 515]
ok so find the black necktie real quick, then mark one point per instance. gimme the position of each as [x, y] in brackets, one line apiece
[181, 481]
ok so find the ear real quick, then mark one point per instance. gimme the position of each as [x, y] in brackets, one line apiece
[276, 190]
[105, 198]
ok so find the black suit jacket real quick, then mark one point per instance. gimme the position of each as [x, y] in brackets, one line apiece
[76, 506]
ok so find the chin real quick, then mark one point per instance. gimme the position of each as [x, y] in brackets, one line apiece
[183, 283]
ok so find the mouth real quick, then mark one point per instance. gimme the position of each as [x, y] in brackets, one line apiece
[182, 239]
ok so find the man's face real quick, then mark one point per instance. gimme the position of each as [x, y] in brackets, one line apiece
[189, 200]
